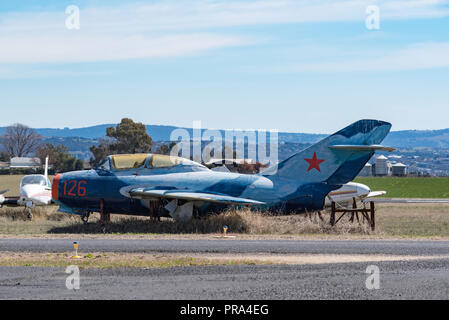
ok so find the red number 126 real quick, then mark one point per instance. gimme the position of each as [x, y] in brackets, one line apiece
[72, 185]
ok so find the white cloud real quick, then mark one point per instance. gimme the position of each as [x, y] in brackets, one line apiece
[414, 57]
[194, 14]
[86, 48]
[174, 28]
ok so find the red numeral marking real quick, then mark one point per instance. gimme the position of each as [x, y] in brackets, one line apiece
[73, 184]
[82, 190]
[72, 188]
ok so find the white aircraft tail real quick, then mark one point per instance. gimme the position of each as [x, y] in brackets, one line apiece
[46, 167]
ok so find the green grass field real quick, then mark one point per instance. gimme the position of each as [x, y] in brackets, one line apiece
[408, 187]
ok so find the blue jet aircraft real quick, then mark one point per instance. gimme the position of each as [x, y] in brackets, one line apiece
[158, 185]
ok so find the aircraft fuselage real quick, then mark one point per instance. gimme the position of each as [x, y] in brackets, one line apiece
[83, 191]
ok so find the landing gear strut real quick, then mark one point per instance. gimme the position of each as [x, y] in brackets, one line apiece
[29, 214]
[105, 217]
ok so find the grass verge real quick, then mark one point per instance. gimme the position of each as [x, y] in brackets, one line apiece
[112, 260]
[392, 220]
[117, 260]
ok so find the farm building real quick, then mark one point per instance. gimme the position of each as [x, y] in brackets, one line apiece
[4, 165]
[25, 163]
[399, 169]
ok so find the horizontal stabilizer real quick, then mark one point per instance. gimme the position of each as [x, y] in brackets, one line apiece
[372, 147]
[376, 194]
[143, 193]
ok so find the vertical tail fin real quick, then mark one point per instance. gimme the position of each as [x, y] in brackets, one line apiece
[46, 167]
[336, 159]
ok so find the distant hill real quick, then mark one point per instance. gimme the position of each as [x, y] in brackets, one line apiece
[158, 133]
[419, 139]
[84, 137]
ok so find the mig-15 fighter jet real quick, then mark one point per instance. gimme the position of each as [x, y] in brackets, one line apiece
[159, 185]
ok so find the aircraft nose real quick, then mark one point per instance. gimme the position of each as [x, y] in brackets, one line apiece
[55, 186]
[27, 191]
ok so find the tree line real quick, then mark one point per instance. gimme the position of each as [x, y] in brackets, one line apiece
[20, 140]
[127, 137]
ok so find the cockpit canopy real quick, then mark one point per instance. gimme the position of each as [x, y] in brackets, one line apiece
[36, 180]
[128, 161]
[149, 161]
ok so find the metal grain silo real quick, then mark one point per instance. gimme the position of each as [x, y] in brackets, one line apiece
[381, 166]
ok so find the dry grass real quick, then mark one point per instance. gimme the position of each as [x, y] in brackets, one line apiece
[13, 220]
[118, 260]
[49, 213]
[241, 221]
[149, 260]
[393, 220]
[413, 220]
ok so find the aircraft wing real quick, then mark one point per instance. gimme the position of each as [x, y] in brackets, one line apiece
[403, 200]
[9, 201]
[143, 193]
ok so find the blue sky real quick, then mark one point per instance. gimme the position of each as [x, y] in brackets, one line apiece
[300, 66]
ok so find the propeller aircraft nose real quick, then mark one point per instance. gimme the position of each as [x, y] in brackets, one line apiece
[28, 191]
[362, 190]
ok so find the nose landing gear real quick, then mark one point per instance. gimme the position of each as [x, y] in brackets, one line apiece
[27, 210]
[29, 214]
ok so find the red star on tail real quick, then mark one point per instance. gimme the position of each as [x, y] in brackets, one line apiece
[314, 163]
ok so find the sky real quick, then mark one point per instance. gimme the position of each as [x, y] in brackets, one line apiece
[299, 66]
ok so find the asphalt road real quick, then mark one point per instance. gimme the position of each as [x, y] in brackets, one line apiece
[229, 246]
[418, 279]
[398, 280]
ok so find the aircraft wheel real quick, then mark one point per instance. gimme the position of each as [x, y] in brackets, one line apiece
[85, 218]
[30, 216]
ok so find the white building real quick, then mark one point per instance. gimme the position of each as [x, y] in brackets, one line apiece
[399, 169]
[25, 163]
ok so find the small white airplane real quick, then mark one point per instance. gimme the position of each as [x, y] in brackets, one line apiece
[349, 191]
[35, 190]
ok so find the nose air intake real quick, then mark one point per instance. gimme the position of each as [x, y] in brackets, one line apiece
[55, 187]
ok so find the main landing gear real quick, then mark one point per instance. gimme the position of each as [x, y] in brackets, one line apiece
[85, 217]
